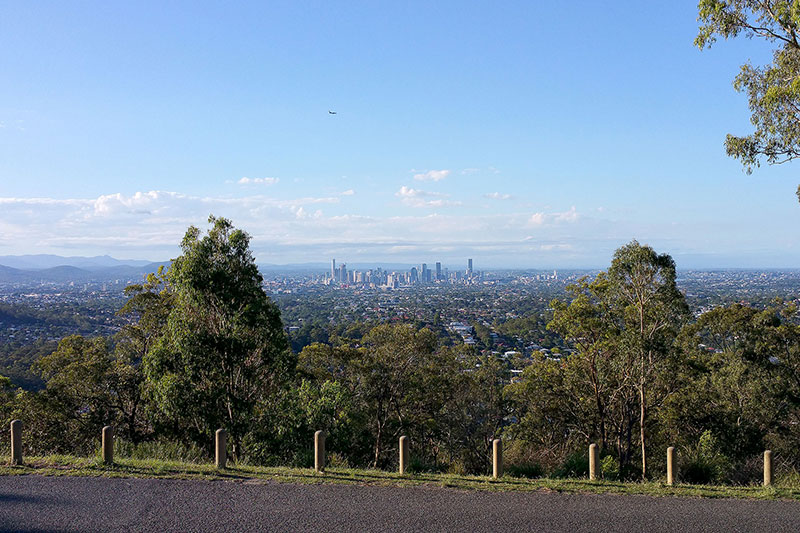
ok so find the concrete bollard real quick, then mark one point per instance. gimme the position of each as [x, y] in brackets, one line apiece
[671, 465]
[108, 445]
[403, 454]
[767, 468]
[592, 461]
[497, 458]
[16, 442]
[319, 451]
[221, 448]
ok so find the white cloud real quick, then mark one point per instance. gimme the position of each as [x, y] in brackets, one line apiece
[348, 192]
[567, 216]
[497, 196]
[541, 219]
[552, 247]
[139, 202]
[432, 175]
[418, 198]
[537, 219]
[258, 181]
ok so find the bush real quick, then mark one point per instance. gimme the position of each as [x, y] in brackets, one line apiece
[705, 464]
[527, 470]
[456, 467]
[337, 460]
[161, 450]
[575, 465]
[609, 468]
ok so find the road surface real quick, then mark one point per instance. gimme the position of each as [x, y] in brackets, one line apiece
[36, 503]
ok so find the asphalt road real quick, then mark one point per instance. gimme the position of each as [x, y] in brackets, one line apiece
[34, 503]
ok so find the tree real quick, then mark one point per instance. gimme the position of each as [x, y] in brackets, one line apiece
[224, 347]
[148, 308]
[389, 374]
[401, 383]
[773, 90]
[623, 326]
[642, 284]
[87, 387]
[590, 326]
[738, 387]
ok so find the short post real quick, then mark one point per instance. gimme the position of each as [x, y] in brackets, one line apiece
[497, 458]
[16, 442]
[403, 454]
[767, 468]
[319, 451]
[221, 448]
[671, 465]
[592, 461]
[108, 445]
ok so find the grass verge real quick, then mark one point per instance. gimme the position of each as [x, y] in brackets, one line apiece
[63, 465]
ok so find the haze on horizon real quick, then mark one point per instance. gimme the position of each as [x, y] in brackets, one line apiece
[536, 136]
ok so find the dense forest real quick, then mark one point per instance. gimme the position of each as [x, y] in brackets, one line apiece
[202, 347]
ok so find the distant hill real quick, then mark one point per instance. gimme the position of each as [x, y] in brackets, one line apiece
[44, 261]
[12, 275]
[65, 273]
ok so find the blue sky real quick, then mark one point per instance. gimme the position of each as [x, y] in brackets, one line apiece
[515, 133]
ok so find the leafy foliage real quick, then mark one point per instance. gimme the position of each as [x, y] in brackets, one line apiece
[773, 90]
[223, 347]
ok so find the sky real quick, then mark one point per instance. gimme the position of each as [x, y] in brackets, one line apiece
[519, 134]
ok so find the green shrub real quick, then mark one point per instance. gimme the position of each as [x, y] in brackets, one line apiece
[609, 468]
[705, 464]
[337, 460]
[526, 470]
[162, 450]
[575, 465]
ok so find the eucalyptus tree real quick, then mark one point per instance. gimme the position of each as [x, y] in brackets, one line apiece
[622, 325]
[773, 90]
[224, 347]
[642, 287]
[588, 323]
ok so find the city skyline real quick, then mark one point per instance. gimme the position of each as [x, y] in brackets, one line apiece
[460, 131]
[378, 276]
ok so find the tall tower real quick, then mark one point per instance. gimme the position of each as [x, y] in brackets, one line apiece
[333, 269]
[469, 268]
[438, 271]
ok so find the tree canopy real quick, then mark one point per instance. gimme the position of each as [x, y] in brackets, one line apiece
[773, 90]
[223, 346]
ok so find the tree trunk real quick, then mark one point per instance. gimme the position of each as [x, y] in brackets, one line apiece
[642, 379]
[642, 413]
[378, 445]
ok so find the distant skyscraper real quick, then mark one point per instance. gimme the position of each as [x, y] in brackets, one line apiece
[438, 271]
[343, 273]
[424, 275]
[469, 267]
[333, 269]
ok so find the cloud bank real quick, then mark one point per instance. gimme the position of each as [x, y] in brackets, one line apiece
[150, 224]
